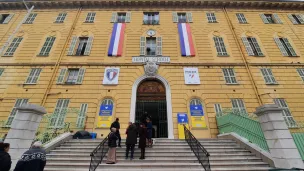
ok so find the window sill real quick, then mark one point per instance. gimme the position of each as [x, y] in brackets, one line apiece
[77, 55]
[42, 56]
[27, 23]
[87, 22]
[223, 55]
[58, 22]
[232, 84]
[272, 83]
[293, 56]
[7, 55]
[212, 22]
[243, 23]
[29, 84]
[68, 84]
[258, 56]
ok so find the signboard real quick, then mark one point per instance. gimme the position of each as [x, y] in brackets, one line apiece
[105, 116]
[191, 76]
[111, 76]
[197, 116]
[144, 59]
[196, 110]
[182, 119]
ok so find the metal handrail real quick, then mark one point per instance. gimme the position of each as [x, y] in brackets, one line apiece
[200, 152]
[98, 154]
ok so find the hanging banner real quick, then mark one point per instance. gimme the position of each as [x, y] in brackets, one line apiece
[191, 76]
[111, 76]
[117, 39]
[197, 116]
[185, 39]
[105, 116]
[182, 119]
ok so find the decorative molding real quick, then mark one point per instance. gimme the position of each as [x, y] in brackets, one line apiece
[151, 68]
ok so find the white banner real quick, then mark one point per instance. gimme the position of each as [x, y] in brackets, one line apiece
[144, 59]
[111, 76]
[191, 76]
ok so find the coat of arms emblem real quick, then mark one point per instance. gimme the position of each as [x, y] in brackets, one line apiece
[151, 68]
[111, 73]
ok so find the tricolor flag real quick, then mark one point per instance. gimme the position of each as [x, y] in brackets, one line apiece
[185, 39]
[117, 39]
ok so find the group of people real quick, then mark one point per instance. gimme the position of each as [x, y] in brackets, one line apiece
[33, 159]
[144, 132]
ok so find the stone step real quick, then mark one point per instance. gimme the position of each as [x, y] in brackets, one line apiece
[175, 169]
[156, 140]
[159, 145]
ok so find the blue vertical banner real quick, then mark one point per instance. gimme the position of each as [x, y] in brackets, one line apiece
[105, 116]
[197, 116]
[182, 119]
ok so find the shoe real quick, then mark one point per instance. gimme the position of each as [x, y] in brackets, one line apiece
[119, 146]
[131, 158]
[141, 158]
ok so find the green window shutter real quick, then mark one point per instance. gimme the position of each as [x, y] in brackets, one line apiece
[257, 46]
[128, 17]
[13, 46]
[241, 18]
[300, 18]
[174, 17]
[263, 17]
[1, 71]
[62, 75]
[142, 45]
[33, 76]
[281, 47]
[247, 46]
[80, 76]
[73, 45]
[292, 51]
[58, 117]
[114, 17]
[292, 19]
[159, 44]
[18, 103]
[88, 46]
[189, 17]
[37, 75]
[46, 48]
[8, 19]
[218, 109]
[82, 115]
[278, 20]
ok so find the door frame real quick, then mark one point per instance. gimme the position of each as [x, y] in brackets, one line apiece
[168, 100]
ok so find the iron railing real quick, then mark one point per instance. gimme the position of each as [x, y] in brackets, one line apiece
[98, 154]
[197, 148]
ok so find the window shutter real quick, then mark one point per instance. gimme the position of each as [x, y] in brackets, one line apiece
[8, 19]
[292, 19]
[273, 81]
[264, 18]
[281, 47]
[247, 46]
[62, 113]
[37, 75]
[292, 51]
[257, 46]
[82, 115]
[174, 17]
[30, 77]
[226, 75]
[1, 71]
[61, 77]
[80, 76]
[114, 17]
[189, 17]
[300, 18]
[159, 45]
[128, 17]
[143, 46]
[89, 46]
[218, 109]
[73, 45]
[278, 20]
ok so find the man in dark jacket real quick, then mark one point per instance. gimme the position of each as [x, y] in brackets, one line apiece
[5, 158]
[33, 159]
[131, 140]
[116, 125]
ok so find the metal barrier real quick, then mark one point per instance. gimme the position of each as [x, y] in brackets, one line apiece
[197, 148]
[98, 154]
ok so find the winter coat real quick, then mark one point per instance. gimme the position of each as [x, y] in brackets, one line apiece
[116, 125]
[142, 137]
[112, 140]
[131, 135]
[32, 160]
[5, 161]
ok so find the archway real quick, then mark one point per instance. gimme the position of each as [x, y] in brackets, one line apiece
[151, 102]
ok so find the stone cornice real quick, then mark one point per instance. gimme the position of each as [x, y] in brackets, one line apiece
[53, 4]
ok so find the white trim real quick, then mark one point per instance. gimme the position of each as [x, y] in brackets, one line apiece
[168, 100]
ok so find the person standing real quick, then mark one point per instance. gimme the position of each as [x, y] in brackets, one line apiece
[142, 140]
[33, 159]
[116, 125]
[131, 140]
[112, 138]
[5, 158]
[149, 132]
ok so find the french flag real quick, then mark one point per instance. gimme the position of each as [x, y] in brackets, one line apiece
[117, 39]
[185, 39]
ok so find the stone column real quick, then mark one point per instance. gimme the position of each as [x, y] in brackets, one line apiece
[280, 142]
[23, 130]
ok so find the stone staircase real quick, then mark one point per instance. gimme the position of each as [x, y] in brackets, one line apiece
[165, 155]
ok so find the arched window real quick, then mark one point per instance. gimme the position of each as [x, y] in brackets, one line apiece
[107, 102]
[195, 102]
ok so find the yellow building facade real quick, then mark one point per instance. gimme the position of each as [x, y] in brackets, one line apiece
[243, 59]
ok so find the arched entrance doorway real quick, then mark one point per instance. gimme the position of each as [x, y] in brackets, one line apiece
[151, 102]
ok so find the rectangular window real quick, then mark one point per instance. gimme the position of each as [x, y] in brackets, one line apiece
[80, 46]
[296, 18]
[33, 76]
[13, 46]
[182, 17]
[241, 18]
[1, 71]
[82, 115]
[286, 112]
[47, 46]
[5, 18]
[58, 117]
[90, 17]
[252, 46]
[229, 76]
[151, 46]
[61, 17]
[30, 19]
[18, 103]
[301, 72]
[271, 18]
[220, 46]
[211, 17]
[151, 18]
[285, 47]
[83, 41]
[268, 76]
[71, 76]
[218, 109]
[238, 106]
[121, 17]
